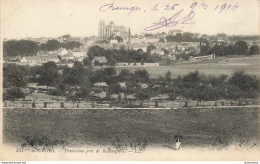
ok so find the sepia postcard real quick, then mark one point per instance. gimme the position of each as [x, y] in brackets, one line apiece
[130, 80]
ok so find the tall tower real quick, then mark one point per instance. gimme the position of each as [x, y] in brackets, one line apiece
[129, 39]
[200, 48]
[101, 29]
[112, 25]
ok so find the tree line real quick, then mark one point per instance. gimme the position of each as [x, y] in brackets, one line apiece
[13, 48]
[114, 56]
[185, 37]
[52, 45]
[239, 48]
[78, 83]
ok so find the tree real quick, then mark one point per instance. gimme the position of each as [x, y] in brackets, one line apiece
[96, 63]
[124, 75]
[254, 50]
[166, 52]
[95, 51]
[143, 94]
[119, 39]
[34, 73]
[141, 76]
[111, 61]
[71, 45]
[191, 80]
[49, 75]
[171, 91]
[241, 47]
[179, 37]
[109, 71]
[230, 50]
[243, 81]
[13, 93]
[161, 40]
[187, 36]
[19, 47]
[74, 76]
[42, 47]
[114, 88]
[109, 75]
[168, 77]
[85, 87]
[218, 50]
[14, 75]
[52, 45]
[221, 35]
[88, 62]
[150, 48]
[130, 88]
[73, 98]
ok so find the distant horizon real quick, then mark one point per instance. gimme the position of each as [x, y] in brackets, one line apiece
[53, 37]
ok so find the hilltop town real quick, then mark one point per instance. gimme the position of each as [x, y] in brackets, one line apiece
[164, 48]
[116, 63]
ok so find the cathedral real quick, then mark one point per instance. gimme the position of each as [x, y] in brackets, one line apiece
[111, 30]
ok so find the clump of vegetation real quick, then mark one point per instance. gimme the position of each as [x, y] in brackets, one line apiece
[43, 141]
[13, 93]
[78, 83]
[30, 48]
[136, 146]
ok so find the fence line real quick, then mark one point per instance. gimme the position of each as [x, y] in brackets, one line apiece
[131, 104]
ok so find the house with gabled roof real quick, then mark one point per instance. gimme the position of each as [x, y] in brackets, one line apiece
[38, 60]
[101, 59]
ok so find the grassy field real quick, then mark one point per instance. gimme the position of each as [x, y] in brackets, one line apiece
[217, 66]
[216, 128]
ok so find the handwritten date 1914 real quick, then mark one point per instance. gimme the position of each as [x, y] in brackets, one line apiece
[174, 20]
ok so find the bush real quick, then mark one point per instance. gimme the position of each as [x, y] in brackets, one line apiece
[13, 94]
[254, 50]
[37, 141]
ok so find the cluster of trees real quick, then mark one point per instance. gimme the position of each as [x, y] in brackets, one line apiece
[122, 55]
[118, 38]
[196, 86]
[14, 79]
[30, 48]
[78, 83]
[19, 47]
[252, 37]
[185, 37]
[239, 48]
[52, 45]
[254, 50]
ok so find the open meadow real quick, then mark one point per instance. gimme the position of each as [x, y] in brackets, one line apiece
[216, 67]
[207, 128]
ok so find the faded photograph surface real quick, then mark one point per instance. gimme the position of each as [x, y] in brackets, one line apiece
[130, 80]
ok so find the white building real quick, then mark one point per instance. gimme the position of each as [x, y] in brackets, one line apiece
[79, 54]
[151, 40]
[63, 52]
[113, 41]
[137, 65]
[38, 60]
[174, 32]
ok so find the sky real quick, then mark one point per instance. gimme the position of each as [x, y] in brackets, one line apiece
[80, 18]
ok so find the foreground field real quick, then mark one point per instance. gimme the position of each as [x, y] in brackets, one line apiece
[216, 128]
[218, 66]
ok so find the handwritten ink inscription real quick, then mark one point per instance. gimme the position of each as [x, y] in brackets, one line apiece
[178, 17]
[174, 20]
[112, 7]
